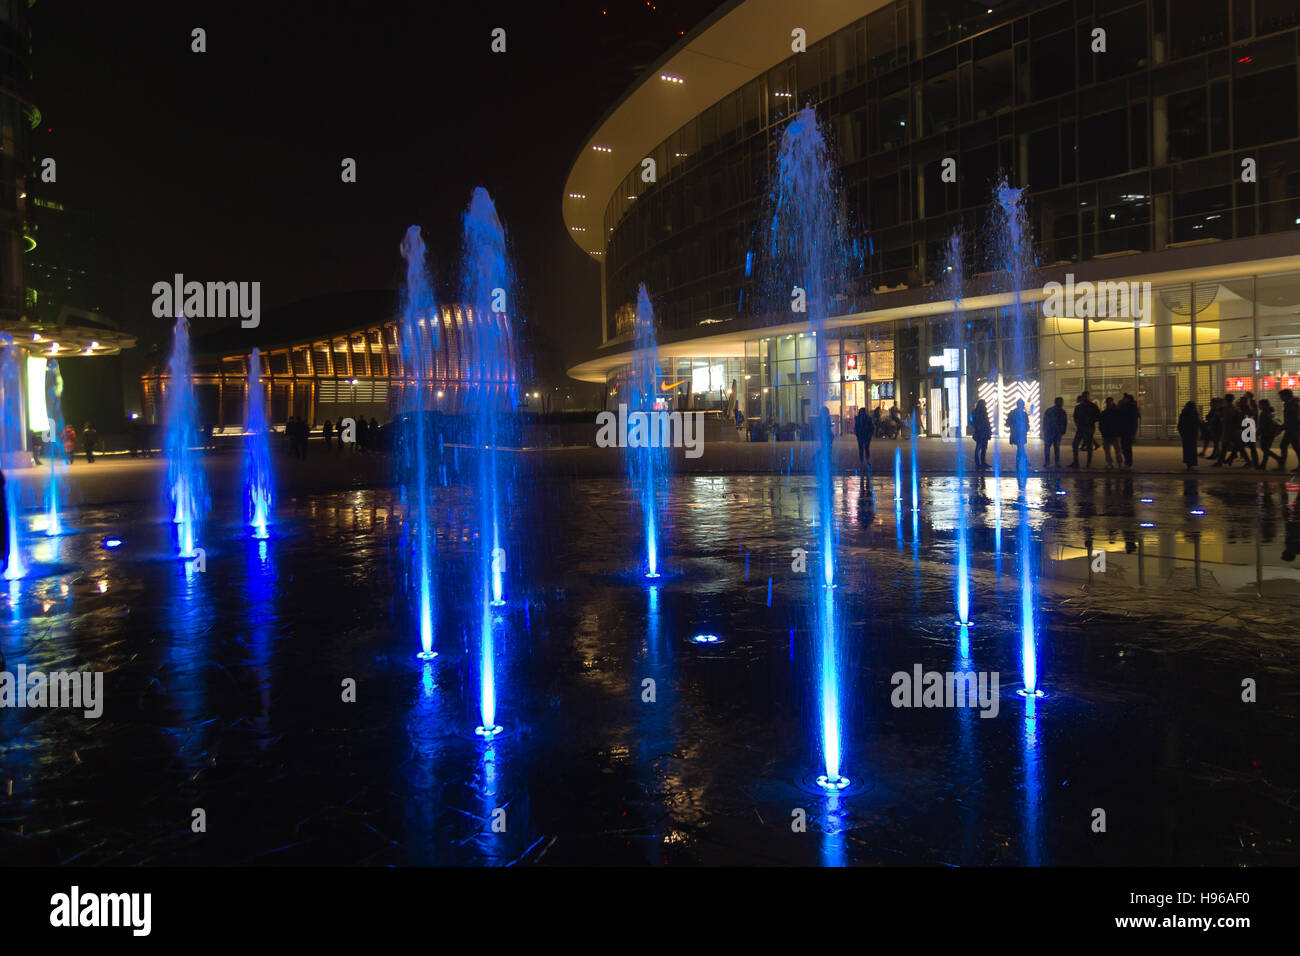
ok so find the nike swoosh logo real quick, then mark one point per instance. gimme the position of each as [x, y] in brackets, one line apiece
[668, 388]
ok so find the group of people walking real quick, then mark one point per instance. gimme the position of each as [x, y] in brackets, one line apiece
[1117, 422]
[67, 440]
[1241, 428]
[365, 438]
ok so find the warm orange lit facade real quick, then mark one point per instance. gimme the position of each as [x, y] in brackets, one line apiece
[351, 373]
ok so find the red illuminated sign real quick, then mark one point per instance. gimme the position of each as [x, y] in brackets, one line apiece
[1267, 383]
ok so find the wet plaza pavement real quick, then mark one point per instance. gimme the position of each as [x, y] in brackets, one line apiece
[224, 688]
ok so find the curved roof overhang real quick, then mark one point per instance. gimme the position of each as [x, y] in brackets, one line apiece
[60, 340]
[740, 41]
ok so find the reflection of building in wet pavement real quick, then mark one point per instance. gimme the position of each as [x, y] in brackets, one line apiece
[1175, 541]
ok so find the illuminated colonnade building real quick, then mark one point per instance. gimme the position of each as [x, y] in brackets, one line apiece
[327, 358]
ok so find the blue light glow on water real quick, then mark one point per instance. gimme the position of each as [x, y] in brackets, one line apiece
[1033, 810]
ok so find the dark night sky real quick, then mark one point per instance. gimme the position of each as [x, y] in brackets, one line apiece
[226, 165]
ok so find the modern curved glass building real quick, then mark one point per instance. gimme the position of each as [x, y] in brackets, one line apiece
[1159, 142]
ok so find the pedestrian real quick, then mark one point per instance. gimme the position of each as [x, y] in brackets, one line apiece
[1290, 427]
[1249, 428]
[1229, 432]
[1018, 429]
[1226, 430]
[328, 431]
[825, 433]
[88, 439]
[1055, 422]
[69, 444]
[981, 430]
[1235, 433]
[864, 429]
[1209, 430]
[1268, 429]
[1129, 418]
[1189, 430]
[1109, 426]
[1086, 415]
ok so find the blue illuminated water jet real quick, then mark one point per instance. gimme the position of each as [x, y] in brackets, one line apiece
[916, 472]
[257, 454]
[809, 252]
[54, 429]
[647, 464]
[12, 450]
[420, 334]
[1012, 246]
[953, 278]
[185, 486]
[488, 291]
[1015, 271]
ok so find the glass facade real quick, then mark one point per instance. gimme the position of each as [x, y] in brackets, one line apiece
[696, 383]
[1136, 149]
[1204, 339]
[1201, 340]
